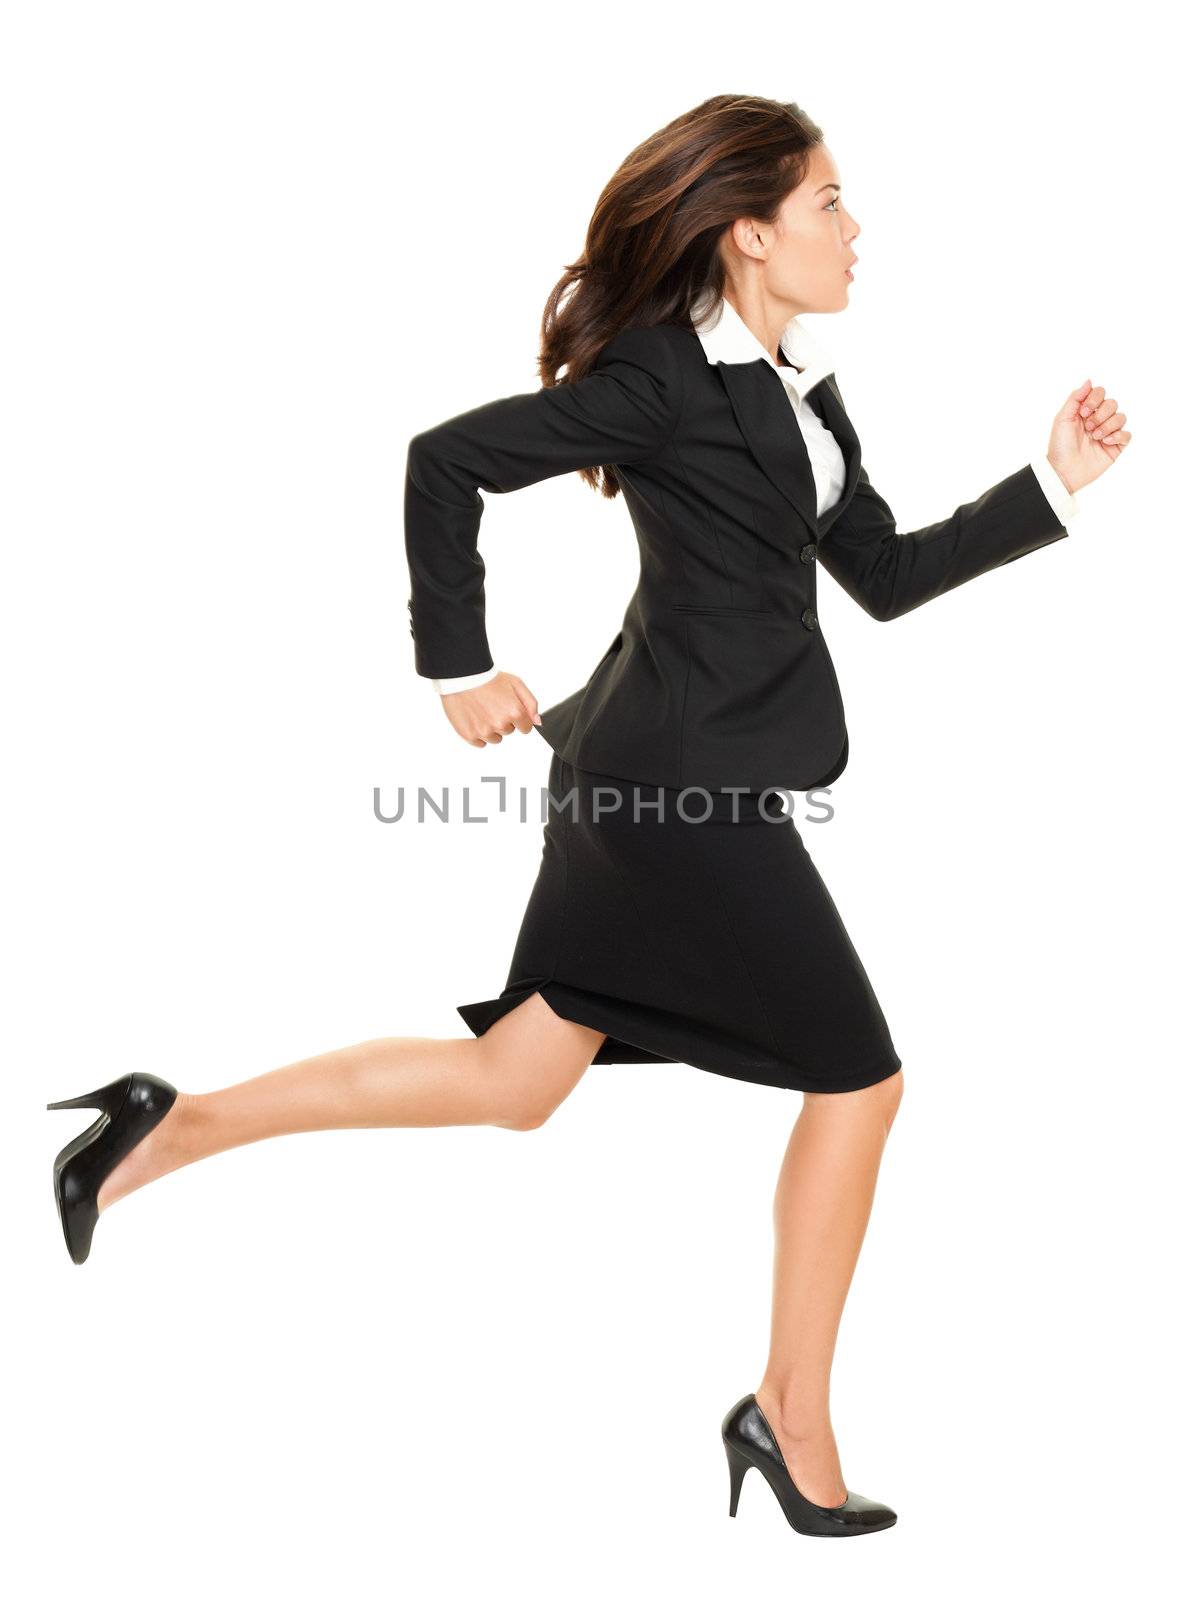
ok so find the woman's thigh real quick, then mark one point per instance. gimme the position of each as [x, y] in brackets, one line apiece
[533, 1058]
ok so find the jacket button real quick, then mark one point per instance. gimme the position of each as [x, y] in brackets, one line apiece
[808, 617]
[808, 553]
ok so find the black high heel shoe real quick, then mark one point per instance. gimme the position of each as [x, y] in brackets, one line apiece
[129, 1108]
[749, 1442]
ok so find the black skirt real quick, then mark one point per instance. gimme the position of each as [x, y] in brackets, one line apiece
[712, 942]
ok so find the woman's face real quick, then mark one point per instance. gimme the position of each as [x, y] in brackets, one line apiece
[807, 250]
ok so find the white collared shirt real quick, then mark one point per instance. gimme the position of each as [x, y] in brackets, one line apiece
[726, 337]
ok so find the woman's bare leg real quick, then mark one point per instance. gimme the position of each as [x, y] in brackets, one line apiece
[822, 1203]
[513, 1076]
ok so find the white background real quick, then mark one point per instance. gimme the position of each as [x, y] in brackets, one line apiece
[252, 249]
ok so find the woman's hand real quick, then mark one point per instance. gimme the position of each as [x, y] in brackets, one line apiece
[1088, 435]
[484, 715]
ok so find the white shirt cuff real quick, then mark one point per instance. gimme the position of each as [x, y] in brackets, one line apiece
[1062, 501]
[471, 680]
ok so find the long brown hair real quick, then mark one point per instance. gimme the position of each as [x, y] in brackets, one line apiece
[652, 242]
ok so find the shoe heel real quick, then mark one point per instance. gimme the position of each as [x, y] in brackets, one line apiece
[108, 1098]
[738, 1467]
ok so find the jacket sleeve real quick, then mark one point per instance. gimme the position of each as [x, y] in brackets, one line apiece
[624, 411]
[889, 573]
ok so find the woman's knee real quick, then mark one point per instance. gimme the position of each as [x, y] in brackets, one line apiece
[521, 1105]
[889, 1092]
[525, 1118]
[881, 1099]
[531, 1060]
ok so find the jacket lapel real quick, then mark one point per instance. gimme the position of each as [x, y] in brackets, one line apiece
[768, 424]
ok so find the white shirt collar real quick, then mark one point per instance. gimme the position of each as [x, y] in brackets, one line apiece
[726, 337]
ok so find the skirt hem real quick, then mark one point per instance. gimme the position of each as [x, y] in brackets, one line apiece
[619, 1021]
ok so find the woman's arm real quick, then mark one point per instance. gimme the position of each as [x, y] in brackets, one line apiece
[889, 573]
[624, 411]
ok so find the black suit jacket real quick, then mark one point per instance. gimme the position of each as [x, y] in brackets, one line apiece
[720, 675]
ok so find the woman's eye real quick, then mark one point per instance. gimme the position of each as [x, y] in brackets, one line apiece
[833, 202]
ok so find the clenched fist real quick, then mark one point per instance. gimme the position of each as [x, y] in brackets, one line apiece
[484, 715]
[1088, 435]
